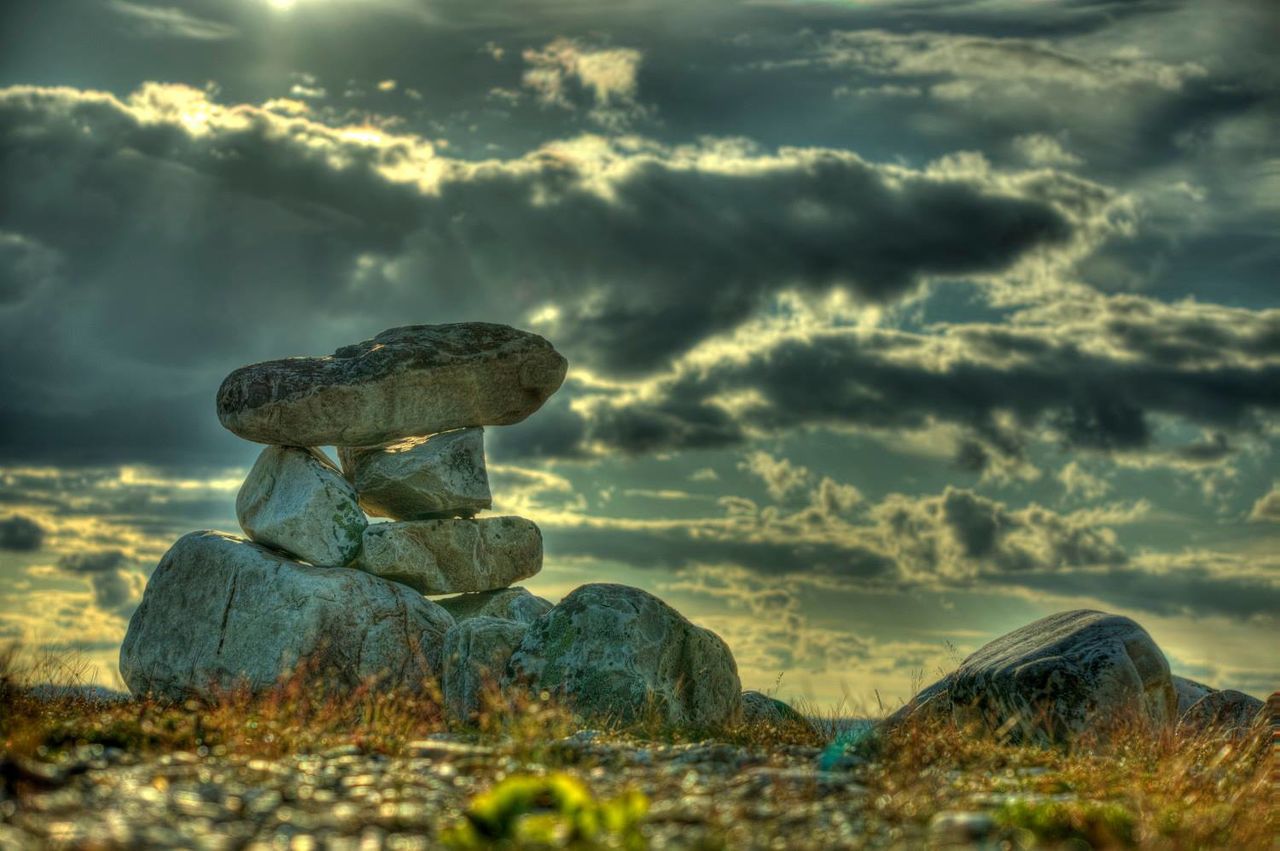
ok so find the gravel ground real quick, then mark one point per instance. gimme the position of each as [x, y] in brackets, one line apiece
[702, 796]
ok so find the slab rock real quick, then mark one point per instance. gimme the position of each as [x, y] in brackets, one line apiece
[1065, 675]
[421, 477]
[512, 604]
[296, 500]
[1226, 711]
[220, 611]
[476, 652]
[405, 382]
[612, 651]
[453, 556]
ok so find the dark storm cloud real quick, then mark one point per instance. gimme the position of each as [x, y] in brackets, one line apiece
[116, 588]
[19, 533]
[189, 230]
[1096, 379]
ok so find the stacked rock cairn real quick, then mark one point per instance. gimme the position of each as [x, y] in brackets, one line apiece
[317, 589]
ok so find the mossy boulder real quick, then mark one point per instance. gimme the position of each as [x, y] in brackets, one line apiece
[619, 653]
[475, 657]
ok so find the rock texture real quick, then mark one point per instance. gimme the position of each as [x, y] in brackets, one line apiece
[421, 477]
[932, 704]
[614, 651]
[405, 382]
[512, 604]
[453, 556]
[220, 611]
[475, 655]
[1227, 711]
[1189, 693]
[296, 500]
[760, 708]
[1063, 676]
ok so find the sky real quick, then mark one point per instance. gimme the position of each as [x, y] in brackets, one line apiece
[892, 325]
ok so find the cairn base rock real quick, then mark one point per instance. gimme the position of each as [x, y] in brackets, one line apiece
[613, 651]
[475, 656]
[220, 612]
[512, 604]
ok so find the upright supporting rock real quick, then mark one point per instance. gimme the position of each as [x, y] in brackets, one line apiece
[405, 382]
[421, 477]
[475, 655]
[220, 612]
[296, 500]
[512, 604]
[453, 556]
[1063, 676]
[616, 652]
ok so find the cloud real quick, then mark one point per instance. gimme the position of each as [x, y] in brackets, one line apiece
[366, 226]
[25, 265]
[608, 76]
[779, 475]
[1267, 508]
[21, 534]
[170, 22]
[116, 588]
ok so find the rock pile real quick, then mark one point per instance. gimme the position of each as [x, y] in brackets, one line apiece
[318, 587]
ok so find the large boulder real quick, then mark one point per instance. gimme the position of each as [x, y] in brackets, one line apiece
[1227, 711]
[453, 556]
[421, 477]
[614, 652]
[1063, 676]
[405, 382]
[220, 612]
[296, 500]
[512, 604]
[475, 656]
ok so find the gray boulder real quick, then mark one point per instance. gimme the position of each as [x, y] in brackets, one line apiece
[613, 651]
[1189, 693]
[512, 604]
[453, 556]
[475, 655]
[405, 382]
[421, 477]
[931, 705]
[296, 500]
[760, 708]
[1063, 676]
[220, 612]
[1228, 711]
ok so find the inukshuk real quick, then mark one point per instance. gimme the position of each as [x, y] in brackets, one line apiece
[318, 588]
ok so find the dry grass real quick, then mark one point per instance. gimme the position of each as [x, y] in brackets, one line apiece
[1137, 789]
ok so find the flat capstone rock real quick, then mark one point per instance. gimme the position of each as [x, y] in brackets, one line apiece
[406, 382]
[453, 556]
[296, 500]
[220, 612]
[421, 478]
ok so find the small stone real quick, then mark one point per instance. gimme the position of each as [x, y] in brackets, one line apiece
[405, 382]
[617, 652]
[453, 556]
[419, 478]
[760, 708]
[961, 828]
[513, 604]
[219, 612]
[475, 655]
[297, 501]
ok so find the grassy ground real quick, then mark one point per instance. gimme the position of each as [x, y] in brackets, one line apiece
[1138, 790]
